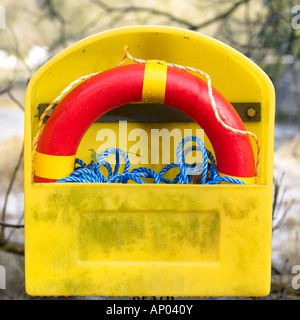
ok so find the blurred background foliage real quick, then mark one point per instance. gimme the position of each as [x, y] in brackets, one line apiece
[261, 29]
[38, 29]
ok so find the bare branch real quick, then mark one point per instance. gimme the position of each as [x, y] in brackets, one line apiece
[223, 15]
[153, 11]
[274, 18]
[277, 184]
[15, 100]
[278, 197]
[281, 220]
[13, 247]
[4, 90]
[7, 90]
[17, 50]
[10, 225]
[54, 14]
[8, 191]
[14, 229]
[173, 18]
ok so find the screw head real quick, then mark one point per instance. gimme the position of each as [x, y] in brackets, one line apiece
[251, 112]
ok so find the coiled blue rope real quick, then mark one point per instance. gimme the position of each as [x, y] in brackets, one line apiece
[92, 173]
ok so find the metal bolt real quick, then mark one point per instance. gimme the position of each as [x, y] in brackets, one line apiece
[251, 112]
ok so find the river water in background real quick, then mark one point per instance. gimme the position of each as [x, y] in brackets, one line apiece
[286, 161]
[11, 123]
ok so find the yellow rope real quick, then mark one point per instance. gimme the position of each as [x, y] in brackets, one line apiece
[136, 60]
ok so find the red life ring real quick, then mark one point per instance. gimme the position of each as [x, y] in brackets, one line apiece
[152, 82]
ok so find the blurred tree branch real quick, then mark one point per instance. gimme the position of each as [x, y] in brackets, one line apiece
[7, 90]
[13, 247]
[278, 202]
[170, 16]
[263, 29]
[54, 14]
[10, 225]
[3, 242]
[268, 31]
[17, 50]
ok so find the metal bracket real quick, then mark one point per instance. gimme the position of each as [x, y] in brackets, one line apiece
[148, 112]
[249, 112]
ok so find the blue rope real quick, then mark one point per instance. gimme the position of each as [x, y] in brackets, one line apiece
[92, 172]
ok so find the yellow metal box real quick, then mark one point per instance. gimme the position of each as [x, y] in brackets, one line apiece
[92, 239]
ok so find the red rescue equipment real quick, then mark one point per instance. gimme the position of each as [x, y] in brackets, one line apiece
[133, 83]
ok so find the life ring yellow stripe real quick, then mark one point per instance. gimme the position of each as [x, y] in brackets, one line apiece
[247, 180]
[154, 86]
[53, 167]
